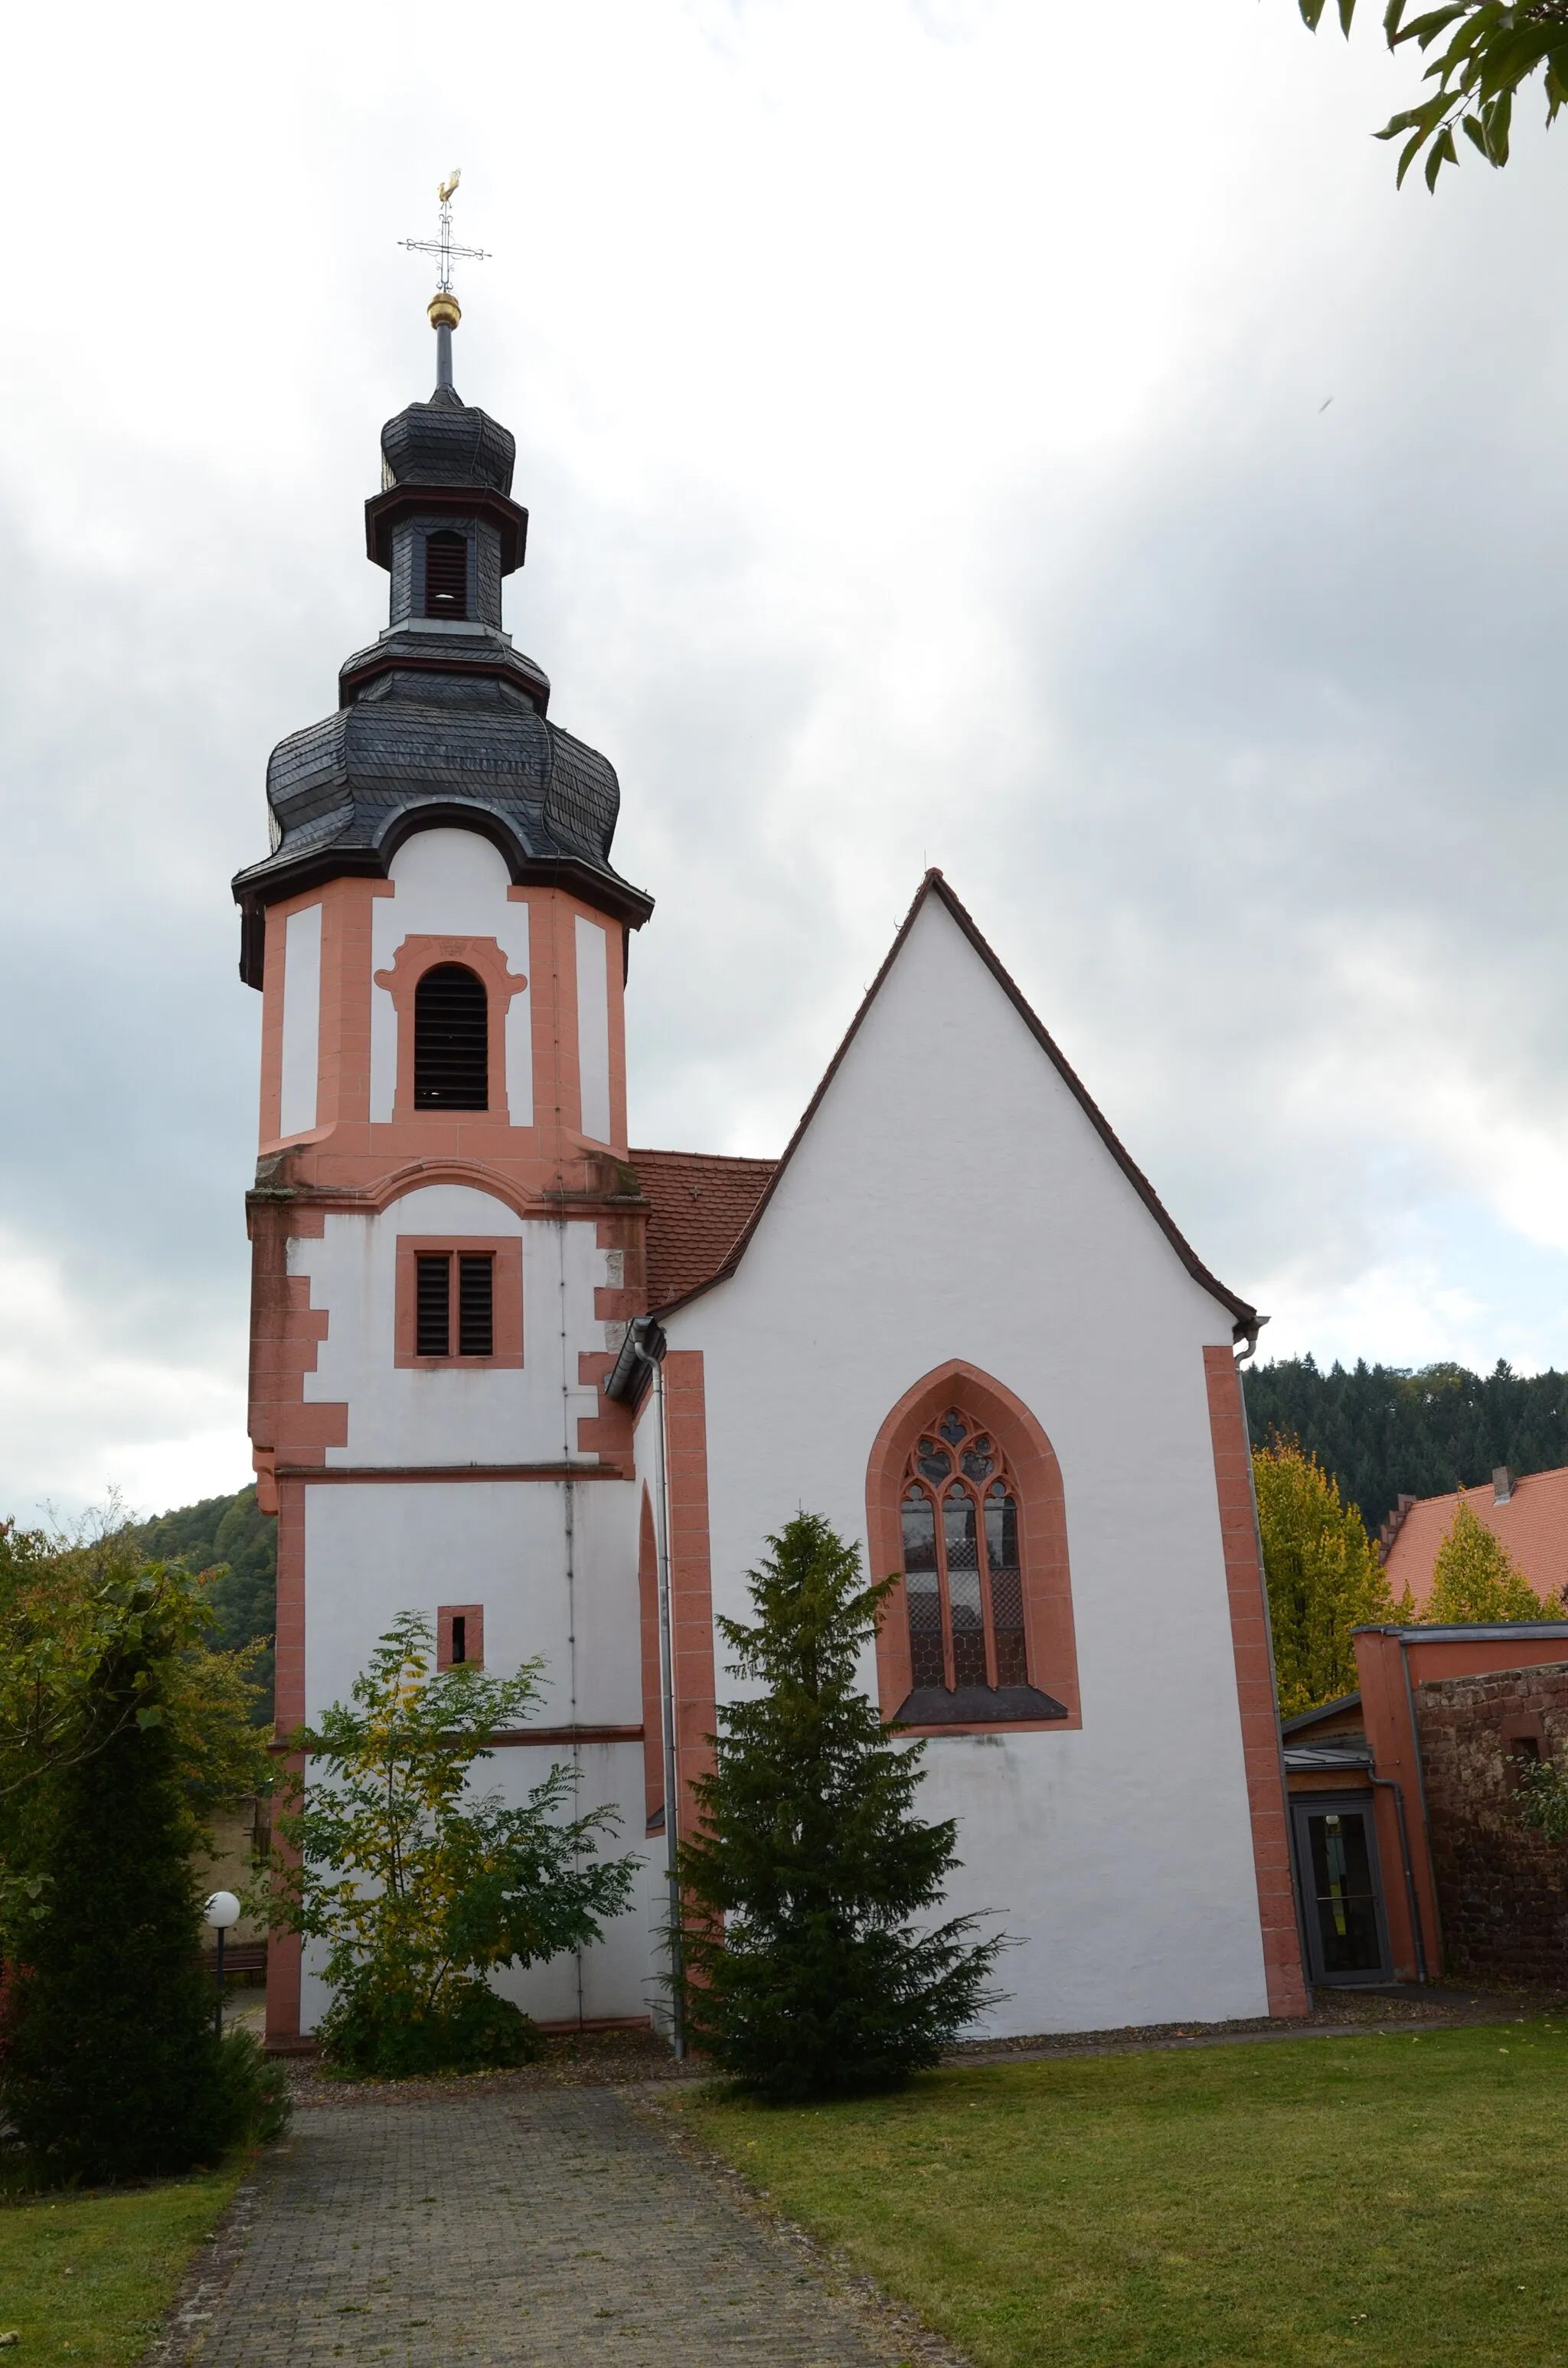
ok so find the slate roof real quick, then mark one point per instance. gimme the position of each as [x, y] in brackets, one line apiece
[344, 791]
[438, 721]
[1247, 1319]
[447, 443]
[701, 1203]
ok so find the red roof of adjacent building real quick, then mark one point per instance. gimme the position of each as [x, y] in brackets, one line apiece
[701, 1203]
[1532, 1522]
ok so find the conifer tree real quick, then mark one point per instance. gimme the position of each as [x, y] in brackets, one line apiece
[802, 1974]
[112, 2068]
[1476, 1579]
[1322, 1574]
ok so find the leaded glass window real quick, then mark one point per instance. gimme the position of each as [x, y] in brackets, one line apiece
[962, 1573]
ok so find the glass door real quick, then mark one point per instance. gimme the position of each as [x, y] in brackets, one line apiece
[1336, 1852]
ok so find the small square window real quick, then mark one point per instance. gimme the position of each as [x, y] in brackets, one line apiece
[460, 1301]
[459, 1636]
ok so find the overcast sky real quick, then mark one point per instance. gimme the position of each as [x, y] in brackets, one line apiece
[1016, 435]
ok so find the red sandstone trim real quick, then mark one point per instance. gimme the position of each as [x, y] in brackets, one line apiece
[507, 1300]
[417, 1474]
[559, 1737]
[414, 957]
[1254, 1686]
[691, 1581]
[473, 1640]
[1049, 1640]
[648, 1609]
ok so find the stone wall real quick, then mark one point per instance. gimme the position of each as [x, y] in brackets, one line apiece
[1501, 1891]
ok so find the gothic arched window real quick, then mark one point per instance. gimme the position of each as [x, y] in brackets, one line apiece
[452, 1040]
[962, 1574]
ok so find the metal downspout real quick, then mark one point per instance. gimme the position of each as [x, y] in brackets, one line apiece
[667, 1697]
[1393, 1785]
[1421, 1789]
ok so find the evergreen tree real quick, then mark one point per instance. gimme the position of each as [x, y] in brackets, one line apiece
[803, 1975]
[1383, 1432]
[1476, 1579]
[1322, 1574]
[112, 2068]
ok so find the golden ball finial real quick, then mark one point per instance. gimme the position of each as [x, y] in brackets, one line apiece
[444, 311]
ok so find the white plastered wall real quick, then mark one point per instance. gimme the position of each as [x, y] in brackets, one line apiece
[405, 1414]
[593, 1029]
[450, 883]
[301, 1022]
[553, 1564]
[952, 1199]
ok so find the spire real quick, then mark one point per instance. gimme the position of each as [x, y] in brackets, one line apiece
[443, 312]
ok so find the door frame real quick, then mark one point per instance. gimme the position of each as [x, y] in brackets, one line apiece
[1316, 1805]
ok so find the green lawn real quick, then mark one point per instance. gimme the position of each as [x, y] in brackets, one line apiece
[86, 2280]
[1380, 2200]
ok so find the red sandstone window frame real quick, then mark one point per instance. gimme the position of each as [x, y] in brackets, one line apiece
[400, 979]
[505, 1301]
[1050, 1645]
[472, 1616]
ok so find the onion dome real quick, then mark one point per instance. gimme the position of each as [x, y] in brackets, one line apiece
[447, 443]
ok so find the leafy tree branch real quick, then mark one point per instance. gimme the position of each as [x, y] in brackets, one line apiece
[1482, 55]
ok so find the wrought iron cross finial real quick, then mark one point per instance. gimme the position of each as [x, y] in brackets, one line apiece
[442, 247]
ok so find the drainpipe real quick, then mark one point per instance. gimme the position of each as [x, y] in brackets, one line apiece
[650, 1346]
[1420, 1785]
[1391, 1784]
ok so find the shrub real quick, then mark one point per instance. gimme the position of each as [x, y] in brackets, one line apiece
[418, 1888]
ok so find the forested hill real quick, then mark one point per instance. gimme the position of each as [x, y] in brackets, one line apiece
[1381, 1430]
[225, 1530]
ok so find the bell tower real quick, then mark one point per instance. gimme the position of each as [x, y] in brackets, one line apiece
[447, 1238]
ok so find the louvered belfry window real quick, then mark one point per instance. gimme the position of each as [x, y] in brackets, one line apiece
[452, 1040]
[446, 575]
[962, 1574]
[476, 1304]
[433, 1308]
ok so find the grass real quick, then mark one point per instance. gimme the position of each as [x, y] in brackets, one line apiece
[1387, 2200]
[86, 2278]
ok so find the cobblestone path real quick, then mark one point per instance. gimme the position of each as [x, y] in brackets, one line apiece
[539, 2226]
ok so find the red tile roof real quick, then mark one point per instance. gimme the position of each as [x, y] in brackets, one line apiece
[701, 1203]
[1533, 1525]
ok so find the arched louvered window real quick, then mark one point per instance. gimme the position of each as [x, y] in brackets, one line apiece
[452, 1040]
[962, 1574]
[446, 575]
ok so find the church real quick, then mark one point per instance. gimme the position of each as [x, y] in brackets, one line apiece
[555, 1391]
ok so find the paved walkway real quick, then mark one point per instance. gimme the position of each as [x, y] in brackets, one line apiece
[515, 2228]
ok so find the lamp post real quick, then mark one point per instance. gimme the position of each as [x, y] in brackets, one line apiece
[221, 1910]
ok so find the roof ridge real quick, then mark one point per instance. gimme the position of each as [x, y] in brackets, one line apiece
[934, 884]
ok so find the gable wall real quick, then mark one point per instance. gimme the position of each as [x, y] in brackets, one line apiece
[950, 1198]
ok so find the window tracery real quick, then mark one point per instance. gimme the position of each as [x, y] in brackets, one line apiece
[963, 1577]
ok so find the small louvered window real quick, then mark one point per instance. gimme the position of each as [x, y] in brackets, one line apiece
[475, 1308]
[433, 1314]
[476, 1305]
[446, 575]
[451, 1041]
